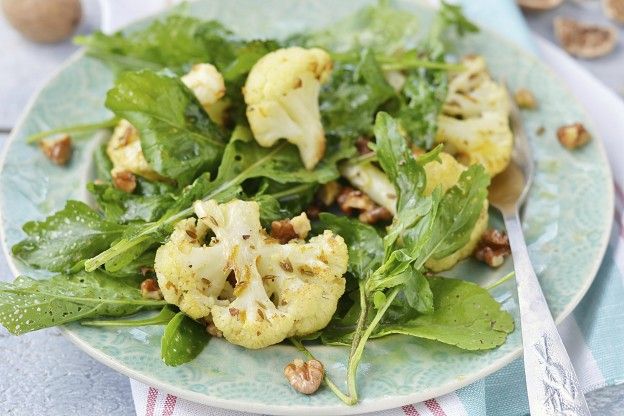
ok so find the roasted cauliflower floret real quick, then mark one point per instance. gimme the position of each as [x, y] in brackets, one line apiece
[445, 173]
[185, 277]
[474, 123]
[124, 151]
[281, 93]
[373, 182]
[299, 272]
[280, 289]
[208, 85]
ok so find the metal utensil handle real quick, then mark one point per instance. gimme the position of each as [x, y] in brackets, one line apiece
[552, 385]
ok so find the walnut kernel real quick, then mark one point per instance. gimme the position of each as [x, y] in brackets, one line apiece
[525, 99]
[125, 181]
[305, 377]
[58, 149]
[573, 136]
[493, 248]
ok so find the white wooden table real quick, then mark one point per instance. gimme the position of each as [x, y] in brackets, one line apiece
[42, 373]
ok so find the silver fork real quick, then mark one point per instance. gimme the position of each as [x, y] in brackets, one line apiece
[552, 385]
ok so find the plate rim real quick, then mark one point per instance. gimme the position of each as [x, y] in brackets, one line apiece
[339, 408]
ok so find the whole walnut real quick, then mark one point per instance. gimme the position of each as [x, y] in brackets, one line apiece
[45, 21]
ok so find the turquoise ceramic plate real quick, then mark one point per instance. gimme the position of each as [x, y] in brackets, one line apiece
[567, 222]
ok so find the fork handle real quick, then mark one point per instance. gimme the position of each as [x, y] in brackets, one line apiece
[552, 385]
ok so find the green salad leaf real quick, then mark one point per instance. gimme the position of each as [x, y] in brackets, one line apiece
[183, 340]
[102, 163]
[178, 138]
[122, 207]
[458, 211]
[175, 42]
[66, 238]
[163, 317]
[381, 27]
[464, 315]
[355, 91]
[27, 304]
[364, 242]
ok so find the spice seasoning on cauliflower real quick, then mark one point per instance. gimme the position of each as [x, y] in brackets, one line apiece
[281, 93]
[474, 122]
[280, 290]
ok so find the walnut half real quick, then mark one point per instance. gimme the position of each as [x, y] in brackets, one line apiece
[614, 9]
[573, 136]
[370, 213]
[305, 377]
[124, 181]
[493, 248]
[585, 40]
[58, 150]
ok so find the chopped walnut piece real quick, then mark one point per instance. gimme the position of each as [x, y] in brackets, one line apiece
[328, 193]
[362, 145]
[614, 9]
[585, 40]
[525, 99]
[352, 199]
[374, 215]
[150, 289]
[305, 377]
[313, 211]
[283, 231]
[58, 149]
[493, 248]
[125, 181]
[573, 136]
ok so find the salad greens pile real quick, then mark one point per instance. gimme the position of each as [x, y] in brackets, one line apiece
[99, 253]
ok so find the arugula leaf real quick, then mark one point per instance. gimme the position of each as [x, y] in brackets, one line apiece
[175, 42]
[354, 93]
[425, 88]
[397, 160]
[163, 317]
[178, 138]
[417, 292]
[102, 163]
[364, 243]
[182, 340]
[27, 304]
[465, 315]
[133, 266]
[246, 57]
[382, 28]
[422, 98]
[122, 207]
[459, 211]
[65, 238]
